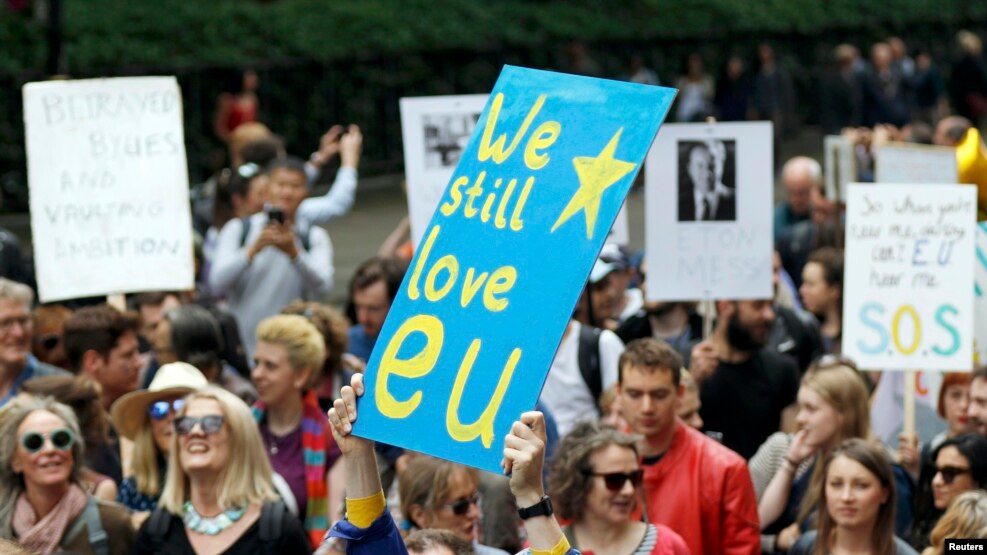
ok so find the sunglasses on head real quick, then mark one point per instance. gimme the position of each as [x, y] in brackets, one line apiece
[461, 507]
[159, 410]
[50, 341]
[210, 424]
[949, 473]
[614, 481]
[61, 439]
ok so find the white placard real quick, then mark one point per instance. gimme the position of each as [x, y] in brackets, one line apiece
[910, 163]
[435, 131]
[908, 300]
[721, 250]
[840, 165]
[109, 186]
[980, 290]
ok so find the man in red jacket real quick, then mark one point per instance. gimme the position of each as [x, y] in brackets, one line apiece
[692, 484]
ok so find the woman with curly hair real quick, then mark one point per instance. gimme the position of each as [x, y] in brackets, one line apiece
[595, 482]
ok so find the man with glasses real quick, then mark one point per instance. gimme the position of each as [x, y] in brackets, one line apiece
[692, 484]
[17, 364]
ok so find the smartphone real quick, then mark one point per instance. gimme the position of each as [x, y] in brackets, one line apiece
[275, 214]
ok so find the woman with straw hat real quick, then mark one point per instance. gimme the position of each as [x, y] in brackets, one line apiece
[145, 417]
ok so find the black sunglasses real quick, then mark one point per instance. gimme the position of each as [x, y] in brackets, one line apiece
[949, 473]
[210, 424]
[462, 506]
[50, 341]
[62, 439]
[614, 481]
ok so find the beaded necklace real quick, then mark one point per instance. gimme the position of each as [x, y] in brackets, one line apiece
[213, 525]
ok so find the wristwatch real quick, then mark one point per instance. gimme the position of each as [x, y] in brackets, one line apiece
[542, 508]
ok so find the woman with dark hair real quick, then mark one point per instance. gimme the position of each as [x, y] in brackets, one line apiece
[960, 465]
[857, 503]
[822, 294]
[192, 334]
[596, 481]
[237, 104]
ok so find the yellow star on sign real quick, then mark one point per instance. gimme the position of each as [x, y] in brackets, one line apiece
[595, 175]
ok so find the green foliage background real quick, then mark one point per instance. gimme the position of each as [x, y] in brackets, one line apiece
[327, 61]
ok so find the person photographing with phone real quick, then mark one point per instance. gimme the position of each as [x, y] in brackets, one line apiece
[272, 258]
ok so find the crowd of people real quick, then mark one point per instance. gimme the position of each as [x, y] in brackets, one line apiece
[219, 420]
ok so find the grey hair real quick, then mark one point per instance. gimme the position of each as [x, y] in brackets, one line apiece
[11, 483]
[13, 291]
[810, 165]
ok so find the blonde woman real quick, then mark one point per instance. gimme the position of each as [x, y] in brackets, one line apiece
[287, 362]
[966, 518]
[832, 407]
[146, 418]
[218, 496]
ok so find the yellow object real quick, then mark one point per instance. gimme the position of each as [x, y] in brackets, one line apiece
[559, 549]
[364, 511]
[971, 162]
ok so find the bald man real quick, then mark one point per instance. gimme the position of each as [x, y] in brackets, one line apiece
[799, 176]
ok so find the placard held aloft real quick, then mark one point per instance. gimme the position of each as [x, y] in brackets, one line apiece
[470, 337]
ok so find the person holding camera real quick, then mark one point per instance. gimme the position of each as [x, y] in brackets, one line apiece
[272, 258]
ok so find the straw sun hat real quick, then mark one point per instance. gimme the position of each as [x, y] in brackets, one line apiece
[177, 378]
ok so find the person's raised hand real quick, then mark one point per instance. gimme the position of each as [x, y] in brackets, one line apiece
[328, 146]
[342, 415]
[703, 361]
[524, 458]
[350, 147]
[908, 453]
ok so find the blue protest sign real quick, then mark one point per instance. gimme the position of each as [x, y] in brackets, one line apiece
[471, 335]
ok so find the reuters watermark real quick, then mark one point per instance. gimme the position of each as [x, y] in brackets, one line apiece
[966, 546]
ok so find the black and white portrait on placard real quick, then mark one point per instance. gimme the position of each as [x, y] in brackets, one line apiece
[446, 136]
[707, 180]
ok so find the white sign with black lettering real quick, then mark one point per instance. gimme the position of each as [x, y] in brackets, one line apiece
[708, 193]
[109, 186]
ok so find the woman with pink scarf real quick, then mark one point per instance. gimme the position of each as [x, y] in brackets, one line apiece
[42, 505]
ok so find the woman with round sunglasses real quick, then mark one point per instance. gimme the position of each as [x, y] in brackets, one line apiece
[145, 417]
[218, 496]
[42, 504]
[290, 352]
[595, 480]
[82, 395]
[857, 504]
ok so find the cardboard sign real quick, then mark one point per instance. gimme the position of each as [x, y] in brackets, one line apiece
[908, 300]
[708, 196]
[435, 130]
[911, 163]
[470, 337]
[109, 186]
[840, 166]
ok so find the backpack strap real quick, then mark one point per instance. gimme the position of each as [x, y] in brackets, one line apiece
[157, 527]
[589, 360]
[245, 230]
[98, 540]
[271, 519]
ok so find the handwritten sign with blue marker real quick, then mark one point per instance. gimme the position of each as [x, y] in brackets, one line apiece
[908, 281]
[471, 335]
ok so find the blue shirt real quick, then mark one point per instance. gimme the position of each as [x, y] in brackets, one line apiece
[33, 369]
[785, 218]
[361, 344]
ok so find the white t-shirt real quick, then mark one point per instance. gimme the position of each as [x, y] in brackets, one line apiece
[565, 393]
